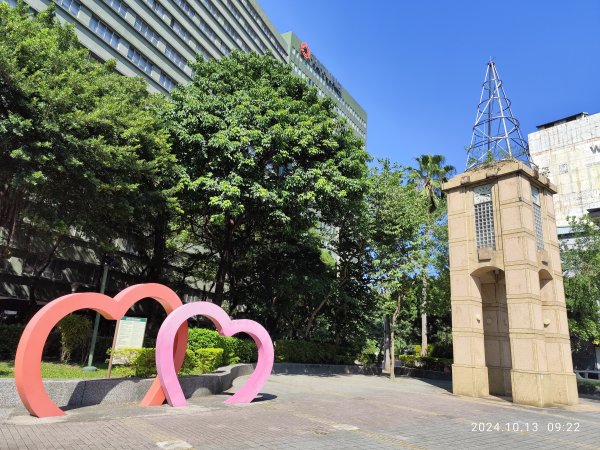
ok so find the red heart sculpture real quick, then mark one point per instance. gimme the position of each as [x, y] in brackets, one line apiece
[28, 360]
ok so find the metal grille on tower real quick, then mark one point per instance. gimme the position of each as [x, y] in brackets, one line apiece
[496, 133]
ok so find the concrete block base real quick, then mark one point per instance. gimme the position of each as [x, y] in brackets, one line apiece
[531, 388]
[470, 381]
[499, 380]
[73, 393]
[564, 388]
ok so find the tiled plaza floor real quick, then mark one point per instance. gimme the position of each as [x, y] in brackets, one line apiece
[299, 411]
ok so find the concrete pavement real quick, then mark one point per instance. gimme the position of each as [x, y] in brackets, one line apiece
[301, 411]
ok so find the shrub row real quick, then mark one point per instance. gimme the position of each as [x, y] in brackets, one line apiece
[9, 339]
[206, 351]
[440, 350]
[142, 361]
[312, 353]
[10, 334]
[235, 350]
[425, 362]
[75, 334]
[588, 387]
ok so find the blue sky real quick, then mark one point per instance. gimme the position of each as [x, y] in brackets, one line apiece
[417, 67]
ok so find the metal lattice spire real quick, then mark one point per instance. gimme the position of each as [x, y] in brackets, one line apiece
[496, 133]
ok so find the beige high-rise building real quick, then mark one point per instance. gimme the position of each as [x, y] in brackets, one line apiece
[509, 321]
[569, 151]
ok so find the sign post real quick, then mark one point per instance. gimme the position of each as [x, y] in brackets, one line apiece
[129, 333]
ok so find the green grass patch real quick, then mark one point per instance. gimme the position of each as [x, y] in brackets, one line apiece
[58, 370]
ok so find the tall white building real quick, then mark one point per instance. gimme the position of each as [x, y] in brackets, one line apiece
[307, 66]
[569, 151]
[158, 39]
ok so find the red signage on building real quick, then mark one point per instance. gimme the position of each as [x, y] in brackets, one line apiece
[305, 50]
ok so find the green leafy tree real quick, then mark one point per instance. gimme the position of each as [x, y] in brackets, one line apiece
[81, 147]
[264, 162]
[428, 178]
[581, 267]
[439, 308]
[398, 212]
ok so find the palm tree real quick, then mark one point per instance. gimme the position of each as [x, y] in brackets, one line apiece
[430, 176]
[428, 179]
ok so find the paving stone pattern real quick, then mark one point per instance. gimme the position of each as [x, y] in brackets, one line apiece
[309, 411]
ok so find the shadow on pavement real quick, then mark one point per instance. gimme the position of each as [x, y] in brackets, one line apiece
[442, 384]
[262, 397]
[308, 374]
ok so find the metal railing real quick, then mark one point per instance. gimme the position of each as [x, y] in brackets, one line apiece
[585, 375]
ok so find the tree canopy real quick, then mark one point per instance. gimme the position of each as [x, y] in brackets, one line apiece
[581, 266]
[245, 180]
[267, 171]
[77, 140]
[82, 149]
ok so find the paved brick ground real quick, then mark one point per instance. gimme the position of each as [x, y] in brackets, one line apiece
[316, 412]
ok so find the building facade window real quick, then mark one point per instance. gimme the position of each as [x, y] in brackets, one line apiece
[181, 31]
[537, 217]
[104, 32]
[175, 57]
[70, 5]
[247, 28]
[202, 51]
[167, 82]
[186, 7]
[264, 28]
[118, 6]
[484, 217]
[159, 9]
[221, 20]
[137, 58]
[146, 31]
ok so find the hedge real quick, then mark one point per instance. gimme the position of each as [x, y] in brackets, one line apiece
[588, 387]
[312, 353]
[10, 334]
[207, 360]
[425, 362]
[143, 361]
[75, 334]
[235, 350]
[9, 339]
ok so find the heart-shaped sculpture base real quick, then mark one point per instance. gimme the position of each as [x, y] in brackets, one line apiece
[28, 360]
[225, 326]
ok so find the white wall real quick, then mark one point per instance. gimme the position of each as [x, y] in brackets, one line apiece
[568, 151]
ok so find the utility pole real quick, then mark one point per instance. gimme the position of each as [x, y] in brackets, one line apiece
[90, 368]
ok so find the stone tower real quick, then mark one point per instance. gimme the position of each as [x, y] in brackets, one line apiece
[509, 320]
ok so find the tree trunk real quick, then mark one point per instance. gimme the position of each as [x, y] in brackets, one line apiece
[392, 336]
[225, 263]
[10, 212]
[392, 351]
[37, 273]
[313, 315]
[342, 279]
[157, 263]
[424, 317]
[220, 280]
[386, 344]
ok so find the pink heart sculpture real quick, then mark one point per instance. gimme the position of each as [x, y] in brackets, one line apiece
[226, 327]
[28, 360]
